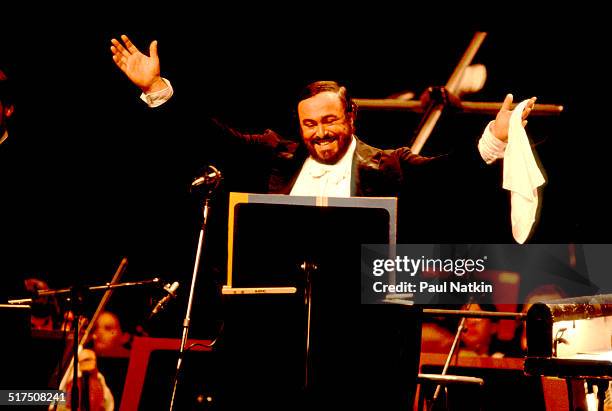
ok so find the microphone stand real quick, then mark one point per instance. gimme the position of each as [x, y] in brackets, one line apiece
[210, 186]
[450, 355]
[105, 287]
[77, 298]
[309, 268]
[456, 341]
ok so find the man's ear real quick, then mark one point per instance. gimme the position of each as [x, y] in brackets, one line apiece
[351, 116]
[354, 109]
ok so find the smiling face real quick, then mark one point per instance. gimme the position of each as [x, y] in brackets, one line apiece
[326, 126]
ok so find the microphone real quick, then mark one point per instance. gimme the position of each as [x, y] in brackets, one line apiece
[171, 289]
[210, 180]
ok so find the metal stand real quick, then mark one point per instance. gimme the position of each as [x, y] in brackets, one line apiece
[308, 269]
[449, 359]
[443, 378]
[205, 185]
[105, 287]
[76, 299]
[187, 319]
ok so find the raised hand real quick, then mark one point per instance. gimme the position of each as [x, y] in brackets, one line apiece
[499, 128]
[141, 69]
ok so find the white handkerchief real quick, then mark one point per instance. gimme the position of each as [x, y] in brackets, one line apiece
[522, 177]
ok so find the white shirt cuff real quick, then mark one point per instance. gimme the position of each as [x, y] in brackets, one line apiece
[491, 148]
[158, 98]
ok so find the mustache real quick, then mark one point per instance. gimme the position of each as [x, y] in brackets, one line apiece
[327, 137]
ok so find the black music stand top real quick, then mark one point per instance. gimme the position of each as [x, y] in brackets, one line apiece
[270, 236]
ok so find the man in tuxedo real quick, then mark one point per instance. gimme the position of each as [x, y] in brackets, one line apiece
[331, 161]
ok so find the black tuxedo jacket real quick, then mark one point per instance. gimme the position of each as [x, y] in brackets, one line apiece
[376, 172]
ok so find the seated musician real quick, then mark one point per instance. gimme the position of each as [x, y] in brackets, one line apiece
[94, 393]
[479, 334]
[46, 312]
[478, 339]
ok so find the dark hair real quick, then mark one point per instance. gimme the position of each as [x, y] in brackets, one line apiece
[318, 87]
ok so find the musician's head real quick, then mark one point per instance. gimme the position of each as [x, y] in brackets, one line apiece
[479, 332]
[327, 116]
[46, 313]
[6, 105]
[109, 339]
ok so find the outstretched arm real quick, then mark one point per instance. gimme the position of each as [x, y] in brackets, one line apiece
[522, 175]
[142, 70]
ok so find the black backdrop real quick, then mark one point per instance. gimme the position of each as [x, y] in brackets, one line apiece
[90, 174]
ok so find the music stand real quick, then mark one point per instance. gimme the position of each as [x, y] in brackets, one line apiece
[138, 367]
[269, 347]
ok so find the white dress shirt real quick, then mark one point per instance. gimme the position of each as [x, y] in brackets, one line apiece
[326, 180]
[490, 147]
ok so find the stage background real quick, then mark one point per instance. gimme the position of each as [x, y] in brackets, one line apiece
[90, 174]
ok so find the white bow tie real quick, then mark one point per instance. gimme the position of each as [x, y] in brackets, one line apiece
[318, 170]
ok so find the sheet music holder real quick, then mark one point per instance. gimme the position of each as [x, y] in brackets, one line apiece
[358, 354]
[265, 225]
[151, 364]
